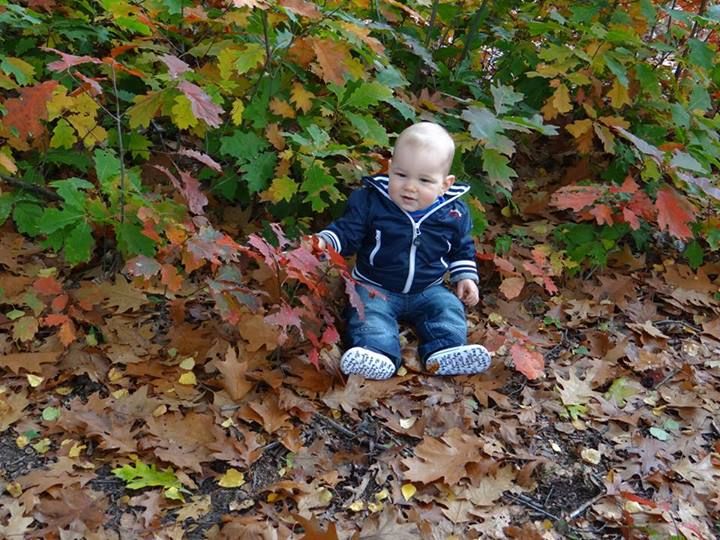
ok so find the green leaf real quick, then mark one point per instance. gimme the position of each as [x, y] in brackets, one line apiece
[496, 166]
[6, 204]
[405, 110]
[251, 56]
[54, 220]
[79, 244]
[686, 161]
[617, 69]
[620, 390]
[659, 434]
[318, 181]
[107, 168]
[142, 476]
[70, 190]
[699, 99]
[132, 241]
[487, 128]
[504, 97]
[694, 254]
[648, 79]
[63, 135]
[700, 54]
[242, 146]
[50, 414]
[680, 116]
[391, 77]
[369, 95]
[370, 129]
[182, 114]
[259, 170]
[27, 217]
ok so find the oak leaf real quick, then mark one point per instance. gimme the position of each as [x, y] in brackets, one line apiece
[302, 8]
[233, 371]
[512, 287]
[388, 525]
[282, 108]
[331, 57]
[176, 67]
[575, 197]
[674, 213]
[301, 97]
[123, 296]
[17, 525]
[12, 406]
[443, 458]
[189, 187]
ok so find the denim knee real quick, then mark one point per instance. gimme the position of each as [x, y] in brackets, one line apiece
[378, 329]
[440, 321]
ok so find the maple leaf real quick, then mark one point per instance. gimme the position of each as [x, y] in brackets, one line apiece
[575, 197]
[143, 266]
[175, 66]
[26, 114]
[331, 56]
[202, 158]
[674, 213]
[202, 106]
[444, 458]
[529, 363]
[68, 60]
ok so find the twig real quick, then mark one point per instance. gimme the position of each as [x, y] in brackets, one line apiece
[667, 378]
[587, 504]
[121, 148]
[33, 188]
[532, 504]
[336, 426]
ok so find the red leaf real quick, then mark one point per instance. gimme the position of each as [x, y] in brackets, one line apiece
[201, 104]
[202, 158]
[143, 266]
[90, 85]
[175, 65]
[575, 197]
[628, 186]
[674, 213]
[529, 363]
[169, 276]
[47, 285]
[631, 219]
[602, 214]
[330, 335]
[55, 320]
[59, 303]
[68, 60]
[189, 187]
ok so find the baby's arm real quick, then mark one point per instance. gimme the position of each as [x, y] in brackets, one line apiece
[346, 233]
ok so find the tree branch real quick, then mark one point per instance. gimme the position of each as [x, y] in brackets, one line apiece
[42, 191]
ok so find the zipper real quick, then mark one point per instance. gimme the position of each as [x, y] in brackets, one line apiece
[413, 249]
[378, 235]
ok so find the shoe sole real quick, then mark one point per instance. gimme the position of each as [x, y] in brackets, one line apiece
[467, 362]
[367, 365]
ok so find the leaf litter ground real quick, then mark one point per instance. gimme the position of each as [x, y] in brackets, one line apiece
[618, 439]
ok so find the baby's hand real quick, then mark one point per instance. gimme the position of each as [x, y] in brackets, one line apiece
[467, 292]
[313, 242]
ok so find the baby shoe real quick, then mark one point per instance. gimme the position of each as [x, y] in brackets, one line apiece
[369, 364]
[463, 360]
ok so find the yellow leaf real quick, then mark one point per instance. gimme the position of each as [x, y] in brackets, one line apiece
[59, 102]
[7, 163]
[188, 378]
[42, 446]
[22, 441]
[76, 449]
[117, 394]
[382, 495]
[282, 108]
[273, 134]
[408, 490]
[34, 380]
[618, 121]
[375, 507]
[159, 410]
[607, 138]
[181, 113]
[88, 129]
[238, 109]
[325, 496]
[232, 479]
[14, 489]
[561, 99]
[618, 95]
[579, 127]
[301, 97]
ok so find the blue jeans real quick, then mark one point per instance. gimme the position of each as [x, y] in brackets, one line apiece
[436, 313]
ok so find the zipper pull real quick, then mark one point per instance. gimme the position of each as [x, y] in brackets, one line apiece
[416, 236]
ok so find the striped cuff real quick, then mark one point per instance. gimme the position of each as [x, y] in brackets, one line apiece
[465, 269]
[331, 239]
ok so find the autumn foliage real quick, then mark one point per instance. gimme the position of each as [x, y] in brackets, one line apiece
[160, 163]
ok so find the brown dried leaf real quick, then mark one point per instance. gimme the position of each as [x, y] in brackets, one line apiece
[445, 457]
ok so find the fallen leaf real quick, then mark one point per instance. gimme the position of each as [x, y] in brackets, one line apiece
[444, 458]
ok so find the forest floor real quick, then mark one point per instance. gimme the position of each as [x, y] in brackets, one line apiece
[618, 438]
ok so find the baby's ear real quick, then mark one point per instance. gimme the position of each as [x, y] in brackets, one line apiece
[449, 181]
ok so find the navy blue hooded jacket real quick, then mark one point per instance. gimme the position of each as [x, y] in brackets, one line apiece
[398, 253]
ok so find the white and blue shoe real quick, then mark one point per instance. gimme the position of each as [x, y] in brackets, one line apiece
[462, 360]
[369, 364]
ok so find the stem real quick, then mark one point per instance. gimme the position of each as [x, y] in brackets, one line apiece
[431, 24]
[118, 122]
[477, 18]
[32, 188]
[693, 33]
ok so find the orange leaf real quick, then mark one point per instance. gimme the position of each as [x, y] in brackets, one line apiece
[602, 214]
[301, 97]
[47, 285]
[331, 56]
[575, 197]
[26, 114]
[674, 213]
[233, 371]
[273, 134]
[529, 363]
[302, 8]
[169, 276]
[282, 108]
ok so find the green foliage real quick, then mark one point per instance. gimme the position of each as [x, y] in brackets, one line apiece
[141, 476]
[286, 106]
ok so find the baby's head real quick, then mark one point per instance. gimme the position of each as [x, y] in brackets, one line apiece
[420, 166]
[427, 138]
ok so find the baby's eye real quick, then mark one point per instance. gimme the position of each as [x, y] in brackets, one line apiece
[426, 180]
[400, 175]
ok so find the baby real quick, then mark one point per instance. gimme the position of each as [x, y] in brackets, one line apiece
[408, 229]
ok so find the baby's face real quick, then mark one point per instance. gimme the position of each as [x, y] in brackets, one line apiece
[417, 177]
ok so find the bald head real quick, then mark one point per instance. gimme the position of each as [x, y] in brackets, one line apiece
[427, 137]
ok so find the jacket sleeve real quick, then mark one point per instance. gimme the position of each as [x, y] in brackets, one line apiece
[462, 254]
[346, 233]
